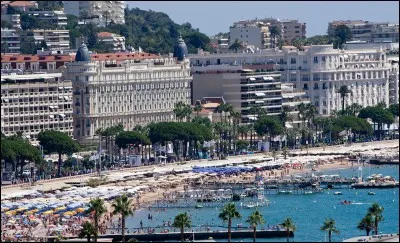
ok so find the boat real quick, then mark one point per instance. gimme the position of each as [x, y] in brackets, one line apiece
[337, 193]
[199, 206]
[251, 205]
[307, 192]
[345, 202]
[243, 195]
[371, 193]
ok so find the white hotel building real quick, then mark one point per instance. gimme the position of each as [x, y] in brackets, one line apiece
[132, 89]
[320, 71]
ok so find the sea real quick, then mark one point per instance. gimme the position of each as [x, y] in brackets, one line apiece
[308, 212]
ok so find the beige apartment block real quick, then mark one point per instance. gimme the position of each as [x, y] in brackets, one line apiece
[253, 33]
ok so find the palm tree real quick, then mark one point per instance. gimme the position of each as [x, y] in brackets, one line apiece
[87, 231]
[197, 108]
[255, 219]
[376, 212]
[343, 91]
[289, 226]
[274, 31]
[97, 207]
[182, 221]
[329, 225]
[236, 45]
[228, 213]
[366, 223]
[123, 206]
[182, 110]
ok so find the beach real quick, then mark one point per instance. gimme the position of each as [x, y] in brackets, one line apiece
[145, 189]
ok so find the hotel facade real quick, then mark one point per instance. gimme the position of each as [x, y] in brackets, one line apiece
[131, 89]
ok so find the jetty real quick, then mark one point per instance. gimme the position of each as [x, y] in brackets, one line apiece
[202, 235]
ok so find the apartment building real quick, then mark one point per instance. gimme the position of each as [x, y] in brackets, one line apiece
[114, 41]
[393, 79]
[31, 103]
[293, 29]
[35, 63]
[132, 89]
[55, 39]
[13, 19]
[252, 32]
[318, 70]
[106, 11]
[368, 31]
[58, 18]
[10, 41]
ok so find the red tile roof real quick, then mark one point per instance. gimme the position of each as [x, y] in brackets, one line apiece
[22, 4]
[71, 58]
[104, 34]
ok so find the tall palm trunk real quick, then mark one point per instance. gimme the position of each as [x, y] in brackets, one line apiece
[123, 228]
[376, 226]
[343, 105]
[288, 234]
[330, 236]
[96, 226]
[367, 231]
[59, 165]
[182, 235]
[254, 234]
[229, 229]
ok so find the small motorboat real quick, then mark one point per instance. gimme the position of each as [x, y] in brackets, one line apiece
[345, 202]
[337, 193]
[307, 192]
[250, 205]
[371, 193]
[199, 206]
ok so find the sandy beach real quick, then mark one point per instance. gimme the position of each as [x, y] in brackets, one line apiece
[144, 190]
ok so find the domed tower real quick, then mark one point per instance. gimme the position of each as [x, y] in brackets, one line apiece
[82, 55]
[180, 51]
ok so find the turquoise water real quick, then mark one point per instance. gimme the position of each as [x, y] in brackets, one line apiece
[307, 211]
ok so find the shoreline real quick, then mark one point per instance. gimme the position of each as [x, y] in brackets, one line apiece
[147, 190]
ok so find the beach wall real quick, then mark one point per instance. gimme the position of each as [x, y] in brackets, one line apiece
[200, 235]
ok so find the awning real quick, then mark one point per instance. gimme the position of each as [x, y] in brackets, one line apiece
[253, 118]
[288, 126]
[61, 115]
[268, 78]
[53, 107]
[60, 97]
[51, 116]
[259, 94]
[60, 88]
[259, 101]
[68, 87]
[6, 100]
[252, 79]
[66, 97]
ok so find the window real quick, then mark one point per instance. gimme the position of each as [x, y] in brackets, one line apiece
[293, 60]
[86, 78]
[323, 59]
[305, 86]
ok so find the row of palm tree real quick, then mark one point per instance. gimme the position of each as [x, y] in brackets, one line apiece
[371, 219]
[124, 206]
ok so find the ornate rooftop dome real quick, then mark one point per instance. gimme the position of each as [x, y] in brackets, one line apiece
[82, 55]
[180, 51]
